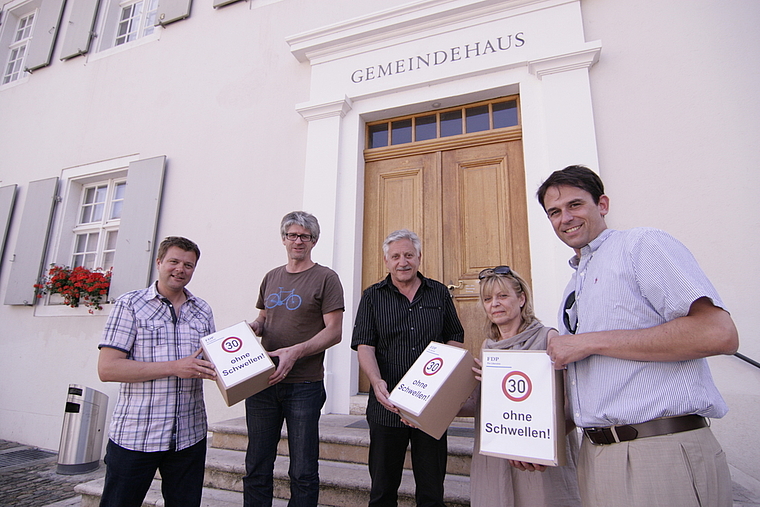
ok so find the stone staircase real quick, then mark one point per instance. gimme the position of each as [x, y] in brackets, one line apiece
[344, 478]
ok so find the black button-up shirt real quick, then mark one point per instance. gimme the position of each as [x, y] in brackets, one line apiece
[400, 330]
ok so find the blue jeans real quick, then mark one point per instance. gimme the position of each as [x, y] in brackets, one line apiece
[129, 474]
[387, 451]
[299, 406]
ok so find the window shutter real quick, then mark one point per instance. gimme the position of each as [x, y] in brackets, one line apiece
[170, 11]
[45, 31]
[80, 29]
[134, 257]
[222, 3]
[7, 198]
[26, 263]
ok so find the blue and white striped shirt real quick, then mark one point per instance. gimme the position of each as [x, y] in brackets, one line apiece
[149, 415]
[637, 279]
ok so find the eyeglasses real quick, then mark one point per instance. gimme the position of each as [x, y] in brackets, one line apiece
[498, 270]
[570, 315]
[292, 236]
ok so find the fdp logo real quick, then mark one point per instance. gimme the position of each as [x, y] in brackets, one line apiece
[517, 386]
[433, 366]
[232, 344]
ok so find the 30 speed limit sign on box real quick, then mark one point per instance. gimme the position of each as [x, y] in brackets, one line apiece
[242, 365]
[435, 387]
[522, 407]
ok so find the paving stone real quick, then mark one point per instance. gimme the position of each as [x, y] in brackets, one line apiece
[37, 484]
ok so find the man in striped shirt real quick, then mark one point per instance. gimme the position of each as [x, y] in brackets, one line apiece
[638, 320]
[396, 320]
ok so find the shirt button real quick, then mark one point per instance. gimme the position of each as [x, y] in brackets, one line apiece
[412, 329]
[577, 414]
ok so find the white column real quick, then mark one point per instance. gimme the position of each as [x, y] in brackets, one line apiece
[568, 115]
[558, 130]
[321, 196]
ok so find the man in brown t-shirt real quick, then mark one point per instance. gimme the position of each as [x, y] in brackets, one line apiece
[300, 316]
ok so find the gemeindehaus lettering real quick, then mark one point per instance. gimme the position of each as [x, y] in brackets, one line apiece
[439, 57]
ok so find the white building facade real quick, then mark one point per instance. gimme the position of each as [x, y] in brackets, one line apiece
[213, 121]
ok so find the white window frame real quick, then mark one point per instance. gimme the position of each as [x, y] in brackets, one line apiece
[73, 183]
[14, 67]
[145, 19]
[108, 29]
[12, 18]
[106, 224]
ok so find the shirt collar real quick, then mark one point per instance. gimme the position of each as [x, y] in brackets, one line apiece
[591, 248]
[388, 282]
[153, 292]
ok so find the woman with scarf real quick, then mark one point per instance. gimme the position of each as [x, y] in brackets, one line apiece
[511, 324]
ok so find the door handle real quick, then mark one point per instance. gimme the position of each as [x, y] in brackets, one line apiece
[456, 287]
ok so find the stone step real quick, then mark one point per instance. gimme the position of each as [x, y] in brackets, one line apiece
[346, 438]
[344, 477]
[90, 496]
[341, 484]
[92, 490]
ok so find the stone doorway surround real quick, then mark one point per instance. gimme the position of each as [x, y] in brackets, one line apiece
[421, 56]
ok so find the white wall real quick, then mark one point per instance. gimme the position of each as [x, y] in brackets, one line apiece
[678, 128]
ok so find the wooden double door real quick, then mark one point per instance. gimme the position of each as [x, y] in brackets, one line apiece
[466, 201]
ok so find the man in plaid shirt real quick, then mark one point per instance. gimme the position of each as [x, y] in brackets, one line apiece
[151, 345]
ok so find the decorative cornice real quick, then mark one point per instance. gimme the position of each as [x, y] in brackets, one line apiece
[583, 59]
[401, 23]
[311, 112]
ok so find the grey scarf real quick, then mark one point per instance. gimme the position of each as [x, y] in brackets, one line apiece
[533, 338]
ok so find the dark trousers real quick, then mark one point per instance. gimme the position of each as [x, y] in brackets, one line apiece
[299, 405]
[387, 450]
[129, 474]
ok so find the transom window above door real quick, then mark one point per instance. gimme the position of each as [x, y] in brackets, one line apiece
[462, 120]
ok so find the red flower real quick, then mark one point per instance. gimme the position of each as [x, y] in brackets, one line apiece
[75, 285]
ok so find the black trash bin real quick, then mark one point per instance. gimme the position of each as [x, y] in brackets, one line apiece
[82, 433]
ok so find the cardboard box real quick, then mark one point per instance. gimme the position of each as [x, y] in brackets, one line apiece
[436, 386]
[522, 413]
[242, 365]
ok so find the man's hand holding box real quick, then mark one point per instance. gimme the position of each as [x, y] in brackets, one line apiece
[242, 365]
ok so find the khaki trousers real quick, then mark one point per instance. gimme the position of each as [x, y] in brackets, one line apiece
[686, 469]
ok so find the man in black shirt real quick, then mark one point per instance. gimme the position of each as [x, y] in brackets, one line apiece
[396, 320]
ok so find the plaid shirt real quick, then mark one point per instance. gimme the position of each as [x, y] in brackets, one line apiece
[150, 415]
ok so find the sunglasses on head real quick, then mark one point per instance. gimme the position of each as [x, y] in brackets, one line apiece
[570, 315]
[498, 270]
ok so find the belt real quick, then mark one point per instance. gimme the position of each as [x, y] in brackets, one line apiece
[653, 428]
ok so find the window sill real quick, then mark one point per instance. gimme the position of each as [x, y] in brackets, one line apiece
[97, 55]
[17, 82]
[53, 306]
